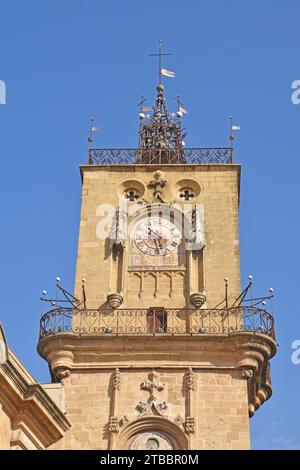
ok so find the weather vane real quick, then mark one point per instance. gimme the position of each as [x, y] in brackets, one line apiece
[161, 70]
[233, 128]
[180, 108]
[93, 128]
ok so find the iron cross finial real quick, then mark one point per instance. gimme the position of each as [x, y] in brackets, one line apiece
[159, 55]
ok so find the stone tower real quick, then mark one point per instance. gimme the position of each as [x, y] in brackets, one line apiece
[155, 351]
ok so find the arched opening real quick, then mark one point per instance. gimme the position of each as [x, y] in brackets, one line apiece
[152, 433]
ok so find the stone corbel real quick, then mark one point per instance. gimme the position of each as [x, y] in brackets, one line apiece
[197, 299]
[254, 366]
[62, 373]
[61, 364]
[114, 300]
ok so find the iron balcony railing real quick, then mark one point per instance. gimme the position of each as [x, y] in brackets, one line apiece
[152, 156]
[132, 321]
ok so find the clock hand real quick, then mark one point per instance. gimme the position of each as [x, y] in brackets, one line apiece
[156, 235]
[157, 238]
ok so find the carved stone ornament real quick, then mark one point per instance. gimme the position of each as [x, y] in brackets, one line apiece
[157, 184]
[113, 424]
[152, 405]
[114, 300]
[190, 379]
[247, 373]
[152, 385]
[117, 233]
[198, 228]
[189, 425]
[179, 420]
[124, 420]
[116, 379]
[196, 235]
[197, 299]
[62, 373]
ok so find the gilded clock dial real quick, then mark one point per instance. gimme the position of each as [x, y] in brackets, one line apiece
[157, 236]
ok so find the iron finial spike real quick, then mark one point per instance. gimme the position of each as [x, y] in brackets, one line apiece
[226, 291]
[271, 291]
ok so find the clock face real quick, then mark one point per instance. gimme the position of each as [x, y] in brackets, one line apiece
[157, 236]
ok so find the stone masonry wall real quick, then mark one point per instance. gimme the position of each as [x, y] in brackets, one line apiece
[219, 192]
[219, 399]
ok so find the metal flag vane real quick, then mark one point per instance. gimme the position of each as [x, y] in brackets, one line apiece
[141, 103]
[143, 108]
[161, 70]
[233, 128]
[93, 128]
[180, 109]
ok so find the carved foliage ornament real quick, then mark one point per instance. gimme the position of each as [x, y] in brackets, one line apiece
[62, 373]
[116, 379]
[247, 373]
[190, 379]
[179, 420]
[189, 425]
[113, 424]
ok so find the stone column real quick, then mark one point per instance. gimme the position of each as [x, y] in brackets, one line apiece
[113, 425]
[189, 415]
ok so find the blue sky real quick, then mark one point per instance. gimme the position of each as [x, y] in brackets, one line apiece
[65, 61]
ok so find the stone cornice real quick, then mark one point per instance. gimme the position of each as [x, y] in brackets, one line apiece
[248, 352]
[169, 167]
[26, 401]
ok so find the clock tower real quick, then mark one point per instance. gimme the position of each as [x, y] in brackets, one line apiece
[159, 347]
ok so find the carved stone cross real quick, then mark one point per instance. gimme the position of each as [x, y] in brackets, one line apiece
[152, 385]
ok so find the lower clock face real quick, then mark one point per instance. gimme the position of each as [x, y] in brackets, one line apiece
[157, 236]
